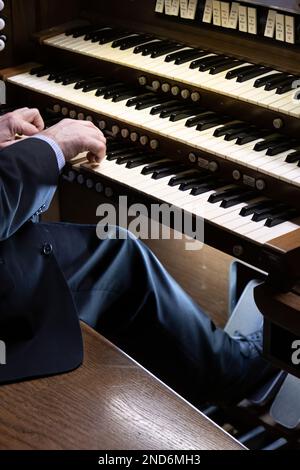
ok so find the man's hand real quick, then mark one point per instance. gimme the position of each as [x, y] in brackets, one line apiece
[75, 137]
[25, 121]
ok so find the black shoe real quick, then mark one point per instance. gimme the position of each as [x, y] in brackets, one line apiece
[251, 345]
[257, 369]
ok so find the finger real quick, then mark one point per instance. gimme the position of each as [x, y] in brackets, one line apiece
[97, 135]
[33, 116]
[27, 129]
[96, 148]
[20, 110]
[92, 127]
[91, 158]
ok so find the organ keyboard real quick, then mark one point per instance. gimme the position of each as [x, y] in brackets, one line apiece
[199, 118]
[195, 67]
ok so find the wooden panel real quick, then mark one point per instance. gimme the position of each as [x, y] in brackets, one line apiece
[109, 403]
[287, 5]
[287, 243]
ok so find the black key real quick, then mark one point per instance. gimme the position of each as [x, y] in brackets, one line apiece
[209, 62]
[148, 49]
[260, 70]
[115, 143]
[293, 157]
[165, 172]
[123, 40]
[223, 193]
[164, 50]
[113, 36]
[252, 207]
[247, 137]
[190, 56]
[265, 144]
[72, 73]
[40, 71]
[262, 214]
[280, 218]
[121, 150]
[206, 187]
[105, 88]
[109, 93]
[95, 85]
[124, 159]
[288, 85]
[149, 169]
[135, 41]
[167, 112]
[59, 73]
[80, 31]
[141, 47]
[210, 122]
[118, 145]
[164, 106]
[196, 63]
[124, 95]
[239, 125]
[136, 100]
[260, 82]
[107, 36]
[186, 55]
[90, 35]
[229, 64]
[240, 70]
[143, 160]
[276, 149]
[146, 157]
[197, 119]
[235, 200]
[111, 156]
[86, 81]
[273, 83]
[71, 79]
[233, 134]
[240, 134]
[195, 183]
[144, 104]
[183, 114]
[189, 176]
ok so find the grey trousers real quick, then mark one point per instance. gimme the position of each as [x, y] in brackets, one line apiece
[122, 291]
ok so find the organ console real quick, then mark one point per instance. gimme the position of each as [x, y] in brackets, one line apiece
[199, 102]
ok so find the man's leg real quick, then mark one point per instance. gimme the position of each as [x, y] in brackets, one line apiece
[122, 290]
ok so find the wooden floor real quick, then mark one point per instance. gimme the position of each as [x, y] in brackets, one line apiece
[110, 403]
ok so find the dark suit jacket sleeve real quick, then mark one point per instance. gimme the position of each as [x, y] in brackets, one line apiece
[28, 179]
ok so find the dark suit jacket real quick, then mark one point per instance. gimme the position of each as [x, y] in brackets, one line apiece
[38, 318]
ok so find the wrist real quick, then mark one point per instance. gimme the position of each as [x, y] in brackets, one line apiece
[61, 161]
